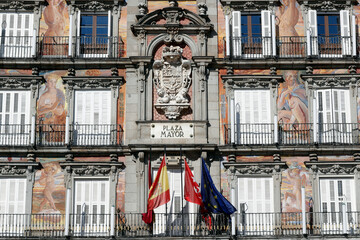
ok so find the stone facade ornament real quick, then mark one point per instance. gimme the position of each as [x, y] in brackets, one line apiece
[172, 81]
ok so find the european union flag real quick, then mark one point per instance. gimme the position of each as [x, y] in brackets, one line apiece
[213, 200]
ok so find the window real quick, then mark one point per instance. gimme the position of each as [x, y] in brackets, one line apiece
[94, 26]
[253, 35]
[331, 33]
[252, 118]
[94, 35]
[14, 117]
[91, 206]
[333, 116]
[174, 207]
[14, 201]
[337, 194]
[255, 195]
[16, 34]
[92, 117]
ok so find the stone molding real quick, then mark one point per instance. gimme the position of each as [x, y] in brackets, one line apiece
[333, 168]
[95, 6]
[255, 168]
[245, 5]
[18, 168]
[331, 80]
[74, 82]
[24, 82]
[147, 24]
[90, 169]
[251, 81]
[327, 6]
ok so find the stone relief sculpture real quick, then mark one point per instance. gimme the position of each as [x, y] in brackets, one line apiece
[172, 81]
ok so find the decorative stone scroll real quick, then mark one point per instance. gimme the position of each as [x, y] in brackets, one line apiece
[172, 81]
[333, 168]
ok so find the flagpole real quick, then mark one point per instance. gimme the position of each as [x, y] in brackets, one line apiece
[166, 205]
[182, 191]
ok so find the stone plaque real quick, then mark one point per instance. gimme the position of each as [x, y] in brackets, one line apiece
[172, 130]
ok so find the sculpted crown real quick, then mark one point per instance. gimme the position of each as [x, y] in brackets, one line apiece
[172, 51]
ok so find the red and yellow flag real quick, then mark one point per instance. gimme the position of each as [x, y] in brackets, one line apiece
[159, 193]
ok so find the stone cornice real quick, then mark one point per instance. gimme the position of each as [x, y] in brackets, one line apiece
[147, 24]
[18, 168]
[331, 80]
[333, 168]
[92, 168]
[95, 6]
[251, 81]
[250, 168]
[20, 81]
[327, 6]
[245, 5]
[24, 5]
[93, 82]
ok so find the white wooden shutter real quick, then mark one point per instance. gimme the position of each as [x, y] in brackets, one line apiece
[92, 107]
[345, 32]
[256, 193]
[266, 29]
[353, 35]
[91, 199]
[236, 33]
[312, 33]
[18, 33]
[252, 117]
[12, 199]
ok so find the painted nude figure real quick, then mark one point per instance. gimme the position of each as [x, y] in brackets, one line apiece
[47, 179]
[288, 19]
[55, 19]
[292, 200]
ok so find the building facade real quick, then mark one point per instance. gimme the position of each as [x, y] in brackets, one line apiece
[92, 93]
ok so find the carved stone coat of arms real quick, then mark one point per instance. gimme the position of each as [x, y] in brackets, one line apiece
[172, 81]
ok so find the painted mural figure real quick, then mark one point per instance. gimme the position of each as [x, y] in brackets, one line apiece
[54, 16]
[288, 19]
[51, 105]
[47, 179]
[292, 200]
[292, 102]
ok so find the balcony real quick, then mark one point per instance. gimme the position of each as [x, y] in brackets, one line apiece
[57, 135]
[61, 47]
[271, 225]
[290, 47]
[292, 134]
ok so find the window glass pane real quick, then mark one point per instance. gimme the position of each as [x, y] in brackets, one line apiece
[102, 20]
[86, 20]
[334, 19]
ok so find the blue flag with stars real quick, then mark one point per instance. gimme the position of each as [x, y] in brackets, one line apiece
[213, 200]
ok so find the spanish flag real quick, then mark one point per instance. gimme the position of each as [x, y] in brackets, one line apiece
[159, 193]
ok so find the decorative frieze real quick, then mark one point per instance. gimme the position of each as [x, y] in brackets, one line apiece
[18, 168]
[257, 168]
[251, 81]
[245, 5]
[330, 80]
[327, 6]
[335, 168]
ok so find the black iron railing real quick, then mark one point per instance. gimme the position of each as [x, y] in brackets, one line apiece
[16, 47]
[96, 134]
[181, 225]
[61, 47]
[291, 47]
[292, 134]
[52, 135]
[15, 134]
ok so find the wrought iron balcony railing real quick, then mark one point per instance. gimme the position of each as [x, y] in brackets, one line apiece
[180, 225]
[52, 135]
[61, 47]
[292, 134]
[291, 47]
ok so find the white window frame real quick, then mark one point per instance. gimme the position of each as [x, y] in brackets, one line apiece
[329, 114]
[87, 125]
[96, 224]
[15, 118]
[332, 222]
[247, 111]
[18, 42]
[250, 217]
